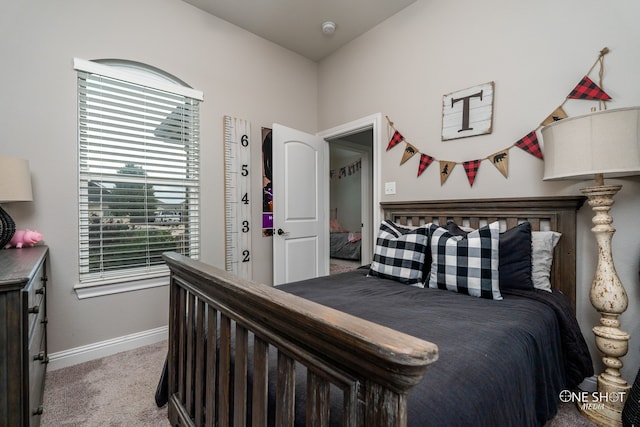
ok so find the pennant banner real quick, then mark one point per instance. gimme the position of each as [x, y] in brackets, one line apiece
[585, 89]
[395, 140]
[471, 168]
[529, 143]
[409, 152]
[558, 114]
[501, 161]
[425, 160]
[445, 170]
[347, 170]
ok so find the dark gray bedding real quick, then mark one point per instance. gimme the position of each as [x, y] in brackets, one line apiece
[341, 247]
[502, 363]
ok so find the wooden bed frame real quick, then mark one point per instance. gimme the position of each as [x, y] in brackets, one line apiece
[213, 313]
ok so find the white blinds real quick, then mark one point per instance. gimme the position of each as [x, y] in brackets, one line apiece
[138, 176]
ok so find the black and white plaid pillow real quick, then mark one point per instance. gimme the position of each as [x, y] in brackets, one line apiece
[400, 253]
[466, 264]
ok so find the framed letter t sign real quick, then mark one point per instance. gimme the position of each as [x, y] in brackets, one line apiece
[468, 112]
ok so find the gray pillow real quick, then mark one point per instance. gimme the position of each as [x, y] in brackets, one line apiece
[543, 243]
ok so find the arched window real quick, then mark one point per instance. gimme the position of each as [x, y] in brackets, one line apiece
[139, 187]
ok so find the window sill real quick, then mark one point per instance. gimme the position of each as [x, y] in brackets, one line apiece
[98, 289]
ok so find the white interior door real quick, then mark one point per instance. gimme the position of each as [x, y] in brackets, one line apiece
[300, 206]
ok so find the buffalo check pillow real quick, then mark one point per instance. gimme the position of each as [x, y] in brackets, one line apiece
[514, 254]
[400, 253]
[466, 264]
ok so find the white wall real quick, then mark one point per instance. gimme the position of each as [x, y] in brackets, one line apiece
[240, 74]
[345, 192]
[535, 52]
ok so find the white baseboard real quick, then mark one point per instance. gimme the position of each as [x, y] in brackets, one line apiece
[73, 356]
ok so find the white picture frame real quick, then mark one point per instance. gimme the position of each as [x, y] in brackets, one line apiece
[468, 112]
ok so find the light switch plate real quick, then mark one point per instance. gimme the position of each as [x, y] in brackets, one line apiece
[390, 188]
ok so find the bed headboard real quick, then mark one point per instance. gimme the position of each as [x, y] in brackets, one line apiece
[544, 213]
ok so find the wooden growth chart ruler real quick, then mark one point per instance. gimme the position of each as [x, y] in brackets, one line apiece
[237, 196]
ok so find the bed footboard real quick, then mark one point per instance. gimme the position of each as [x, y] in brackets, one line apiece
[222, 330]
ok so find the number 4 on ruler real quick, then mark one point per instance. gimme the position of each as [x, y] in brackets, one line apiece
[237, 190]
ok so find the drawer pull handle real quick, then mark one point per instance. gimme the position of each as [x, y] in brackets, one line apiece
[35, 309]
[40, 291]
[38, 411]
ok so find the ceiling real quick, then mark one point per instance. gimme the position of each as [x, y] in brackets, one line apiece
[297, 24]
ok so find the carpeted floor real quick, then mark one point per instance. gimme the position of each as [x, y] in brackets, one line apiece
[118, 391]
[115, 391]
[340, 266]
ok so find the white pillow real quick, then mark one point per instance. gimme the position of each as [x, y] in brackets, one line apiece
[542, 244]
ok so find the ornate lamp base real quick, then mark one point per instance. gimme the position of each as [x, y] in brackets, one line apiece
[7, 228]
[609, 298]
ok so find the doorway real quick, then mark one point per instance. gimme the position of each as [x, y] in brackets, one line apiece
[355, 207]
[350, 178]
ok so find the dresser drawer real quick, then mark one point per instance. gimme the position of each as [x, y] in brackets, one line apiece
[38, 331]
[23, 344]
[38, 360]
[35, 296]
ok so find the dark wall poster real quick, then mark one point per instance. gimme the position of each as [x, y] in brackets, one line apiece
[267, 191]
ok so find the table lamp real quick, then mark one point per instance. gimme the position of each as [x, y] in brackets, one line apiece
[15, 186]
[595, 146]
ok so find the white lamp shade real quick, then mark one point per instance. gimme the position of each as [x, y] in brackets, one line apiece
[15, 180]
[606, 142]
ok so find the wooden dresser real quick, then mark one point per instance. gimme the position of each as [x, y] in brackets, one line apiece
[23, 335]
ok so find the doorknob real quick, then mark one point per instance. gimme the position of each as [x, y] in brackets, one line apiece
[281, 232]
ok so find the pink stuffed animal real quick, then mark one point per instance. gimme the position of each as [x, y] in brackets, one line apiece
[24, 238]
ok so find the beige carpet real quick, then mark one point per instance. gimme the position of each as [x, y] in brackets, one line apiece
[114, 391]
[340, 266]
[118, 391]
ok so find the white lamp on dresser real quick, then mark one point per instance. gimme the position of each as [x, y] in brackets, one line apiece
[595, 146]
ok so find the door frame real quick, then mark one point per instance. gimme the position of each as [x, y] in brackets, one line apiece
[373, 122]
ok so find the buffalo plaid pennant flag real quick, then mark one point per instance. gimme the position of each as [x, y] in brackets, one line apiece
[587, 89]
[471, 168]
[395, 140]
[425, 160]
[530, 144]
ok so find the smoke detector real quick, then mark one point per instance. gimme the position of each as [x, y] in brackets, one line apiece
[328, 27]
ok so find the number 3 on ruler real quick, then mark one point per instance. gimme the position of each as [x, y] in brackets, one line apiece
[237, 196]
